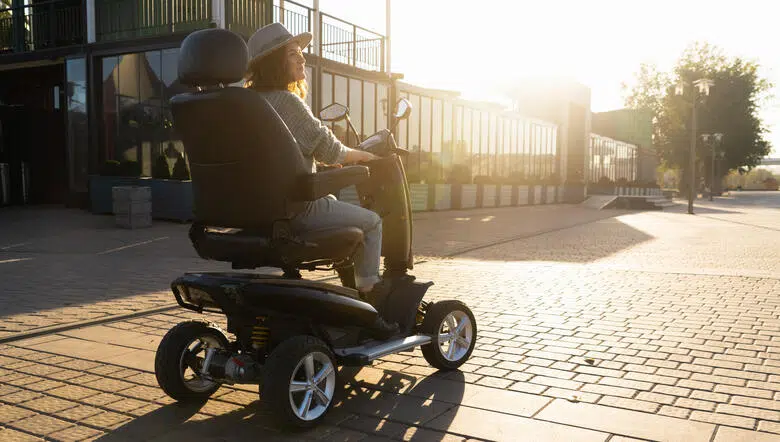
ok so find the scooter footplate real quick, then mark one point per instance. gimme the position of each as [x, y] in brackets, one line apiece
[363, 354]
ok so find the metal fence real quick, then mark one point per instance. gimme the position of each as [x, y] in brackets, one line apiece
[122, 19]
[350, 44]
[342, 41]
[41, 25]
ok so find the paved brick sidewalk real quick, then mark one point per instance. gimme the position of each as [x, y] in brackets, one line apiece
[652, 326]
[66, 266]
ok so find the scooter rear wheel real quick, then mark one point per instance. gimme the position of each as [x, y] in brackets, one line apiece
[454, 331]
[180, 356]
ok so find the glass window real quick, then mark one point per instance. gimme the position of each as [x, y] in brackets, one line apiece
[436, 126]
[425, 124]
[340, 96]
[383, 108]
[484, 151]
[110, 108]
[466, 139]
[369, 108]
[77, 129]
[326, 92]
[309, 77]
[356, 106]
[476, 144]
[172, 86]
[447, 146]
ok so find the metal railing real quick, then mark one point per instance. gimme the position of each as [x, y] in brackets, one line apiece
[350, 44]
[122, 19]
[41, 25]
[341, 41]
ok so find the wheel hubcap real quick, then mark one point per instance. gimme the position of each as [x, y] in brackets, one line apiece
[191, 362]
[312, 385]
[455, 335]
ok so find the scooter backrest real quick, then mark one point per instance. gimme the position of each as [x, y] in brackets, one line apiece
[243, 160]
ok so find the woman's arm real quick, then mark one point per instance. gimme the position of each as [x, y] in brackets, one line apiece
[314, 138]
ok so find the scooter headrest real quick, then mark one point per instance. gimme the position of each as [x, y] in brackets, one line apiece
[210, 57]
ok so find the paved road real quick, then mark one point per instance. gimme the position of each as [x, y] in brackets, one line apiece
[614, 325]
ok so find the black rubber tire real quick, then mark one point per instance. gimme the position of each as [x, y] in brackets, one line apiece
[274, 390]
[430, 326]
[168, 357]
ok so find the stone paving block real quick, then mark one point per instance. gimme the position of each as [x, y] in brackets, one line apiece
[724, 419]
[40, 425]
[11, 413]
[626, 422]
[11, 435]
[728, 434]
[489, 425]
[74, 434]
[748, 411]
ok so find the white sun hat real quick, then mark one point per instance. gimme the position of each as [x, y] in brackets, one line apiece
[271, 37]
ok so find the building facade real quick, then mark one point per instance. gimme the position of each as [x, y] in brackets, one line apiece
[84, 82]
[633, 127]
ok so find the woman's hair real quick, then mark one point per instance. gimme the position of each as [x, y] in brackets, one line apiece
[269, 73]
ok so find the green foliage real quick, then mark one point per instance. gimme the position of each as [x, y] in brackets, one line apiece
[181, 171]
[730, 109]
[160, 169]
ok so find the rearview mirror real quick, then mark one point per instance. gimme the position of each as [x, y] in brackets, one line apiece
[334, 112]
[403, 109]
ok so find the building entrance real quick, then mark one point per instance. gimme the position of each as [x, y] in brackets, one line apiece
[33, 148]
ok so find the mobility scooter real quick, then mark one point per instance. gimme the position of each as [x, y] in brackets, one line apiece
[291, 333]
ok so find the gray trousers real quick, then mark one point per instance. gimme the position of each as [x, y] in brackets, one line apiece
[328, 212]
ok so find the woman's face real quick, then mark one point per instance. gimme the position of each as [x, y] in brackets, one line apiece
[296, 64]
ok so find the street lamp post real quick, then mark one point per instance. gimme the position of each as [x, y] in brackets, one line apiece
[703, 86]
[716, 139]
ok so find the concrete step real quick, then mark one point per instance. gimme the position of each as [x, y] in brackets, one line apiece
[598, 202]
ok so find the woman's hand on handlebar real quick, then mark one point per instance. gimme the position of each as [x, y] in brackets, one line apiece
[359, 156]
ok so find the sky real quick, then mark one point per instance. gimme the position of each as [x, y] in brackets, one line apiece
[480, 48]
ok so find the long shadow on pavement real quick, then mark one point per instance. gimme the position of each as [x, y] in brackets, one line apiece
[376, 409]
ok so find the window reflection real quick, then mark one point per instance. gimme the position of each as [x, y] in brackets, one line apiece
[137, 121]
[77, 129]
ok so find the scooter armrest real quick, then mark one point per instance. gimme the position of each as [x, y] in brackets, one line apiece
[317, 185]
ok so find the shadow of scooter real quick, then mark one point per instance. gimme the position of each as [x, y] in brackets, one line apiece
[405, 400]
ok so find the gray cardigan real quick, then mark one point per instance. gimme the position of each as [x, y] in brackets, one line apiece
[315, 140]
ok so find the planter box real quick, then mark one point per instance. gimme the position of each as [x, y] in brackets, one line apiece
[505, 195]
[574, 193]
[419, 197]
[132, 206]
[523, 195]
[538, 194]
[172, 199]
[442, 196]
[550, 198]
[488, 195]
[468, 194]
[100, 194]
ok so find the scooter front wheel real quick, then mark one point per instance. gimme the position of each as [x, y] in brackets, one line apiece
[453, 328]
[300, 382]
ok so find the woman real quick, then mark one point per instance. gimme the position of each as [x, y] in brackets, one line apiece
[277, 70]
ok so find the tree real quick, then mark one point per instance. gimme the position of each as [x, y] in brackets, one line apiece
[731, 109]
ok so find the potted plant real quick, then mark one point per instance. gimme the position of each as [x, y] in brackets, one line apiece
[171, 191]
[112, 174]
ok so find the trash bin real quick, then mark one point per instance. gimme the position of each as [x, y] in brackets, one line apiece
[5, 184]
